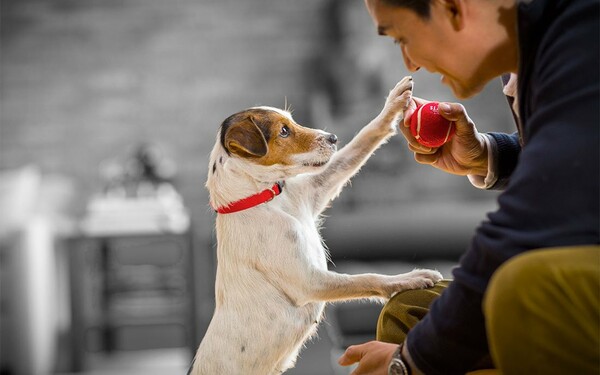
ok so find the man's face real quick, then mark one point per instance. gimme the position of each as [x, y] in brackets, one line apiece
[441, 44]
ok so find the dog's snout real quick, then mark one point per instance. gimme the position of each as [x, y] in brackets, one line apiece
[332, 138]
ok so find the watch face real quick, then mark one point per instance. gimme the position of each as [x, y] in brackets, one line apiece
[397, 367]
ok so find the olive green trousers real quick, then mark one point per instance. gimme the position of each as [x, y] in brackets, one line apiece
[542, 312]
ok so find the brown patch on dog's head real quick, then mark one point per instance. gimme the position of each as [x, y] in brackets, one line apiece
[244, 138]
[268, 136]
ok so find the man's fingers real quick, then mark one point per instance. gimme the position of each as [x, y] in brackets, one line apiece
[352, 355]
[426, 158]
[412, 107]
[420, 149]
[413, 144]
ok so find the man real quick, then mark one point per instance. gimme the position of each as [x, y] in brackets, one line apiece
[527, 289]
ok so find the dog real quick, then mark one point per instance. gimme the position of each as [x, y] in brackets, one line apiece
[269, 180]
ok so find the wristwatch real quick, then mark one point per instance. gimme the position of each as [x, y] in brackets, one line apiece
[397, 365]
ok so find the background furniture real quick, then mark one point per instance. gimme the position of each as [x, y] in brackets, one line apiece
[131, 291]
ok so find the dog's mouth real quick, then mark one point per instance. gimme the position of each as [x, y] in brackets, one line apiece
[316, 164]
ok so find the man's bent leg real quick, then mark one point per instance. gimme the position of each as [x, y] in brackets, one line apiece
[405, 310]
[542, 312]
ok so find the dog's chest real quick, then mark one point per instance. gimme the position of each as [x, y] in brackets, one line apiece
[302, 234]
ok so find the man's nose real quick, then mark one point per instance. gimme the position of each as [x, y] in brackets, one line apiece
[410, 65]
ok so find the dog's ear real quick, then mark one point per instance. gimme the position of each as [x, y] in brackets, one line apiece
[245, 139]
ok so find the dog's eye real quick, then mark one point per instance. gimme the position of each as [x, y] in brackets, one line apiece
[285, 131]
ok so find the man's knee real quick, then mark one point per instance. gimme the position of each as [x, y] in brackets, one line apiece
[405, 310]
[541, 311]
[542, 277]
[505, 288]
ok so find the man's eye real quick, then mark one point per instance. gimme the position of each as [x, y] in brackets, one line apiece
[285, 131]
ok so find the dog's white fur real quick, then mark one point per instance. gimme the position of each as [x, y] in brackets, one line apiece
[272, 279]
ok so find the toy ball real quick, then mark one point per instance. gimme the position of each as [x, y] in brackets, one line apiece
[429, 127]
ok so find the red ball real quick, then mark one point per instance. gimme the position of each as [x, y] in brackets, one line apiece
[429, 127]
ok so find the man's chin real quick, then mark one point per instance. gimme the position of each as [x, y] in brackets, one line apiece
[465, 91]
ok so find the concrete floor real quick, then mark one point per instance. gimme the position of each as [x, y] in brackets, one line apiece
[313, 360]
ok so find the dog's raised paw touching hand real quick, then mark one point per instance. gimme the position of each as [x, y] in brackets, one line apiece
[397, 100]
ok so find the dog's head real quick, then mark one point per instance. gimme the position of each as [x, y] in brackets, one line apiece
[269, 137]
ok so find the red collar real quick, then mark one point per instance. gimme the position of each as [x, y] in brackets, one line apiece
[253, 200]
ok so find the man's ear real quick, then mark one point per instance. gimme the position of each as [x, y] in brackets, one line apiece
[455, 10]
[245, 139]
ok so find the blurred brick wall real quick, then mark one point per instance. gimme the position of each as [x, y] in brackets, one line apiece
[84, 80]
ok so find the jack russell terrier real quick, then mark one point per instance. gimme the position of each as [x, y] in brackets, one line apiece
[269, 181]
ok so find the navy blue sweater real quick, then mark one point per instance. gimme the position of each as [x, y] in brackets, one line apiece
[551, 190]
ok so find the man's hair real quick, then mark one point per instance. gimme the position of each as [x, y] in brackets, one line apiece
[421, 7]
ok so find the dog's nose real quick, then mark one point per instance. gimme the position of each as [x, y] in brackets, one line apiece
[332, 138]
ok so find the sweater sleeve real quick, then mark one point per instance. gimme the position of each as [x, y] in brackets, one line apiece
[503, 152]
[551, 198]
[505, 149]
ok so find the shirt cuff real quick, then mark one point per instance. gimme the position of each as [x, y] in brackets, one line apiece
[488, 181]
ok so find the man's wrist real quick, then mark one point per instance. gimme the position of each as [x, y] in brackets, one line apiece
[489, 179]
[398, 365]
[409, 361]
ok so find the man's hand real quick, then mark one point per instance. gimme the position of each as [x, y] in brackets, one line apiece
[374, 357]
[464, 154]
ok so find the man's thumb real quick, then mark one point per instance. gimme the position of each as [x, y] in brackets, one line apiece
[456, 113]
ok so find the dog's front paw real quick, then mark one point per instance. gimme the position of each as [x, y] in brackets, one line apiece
[397, 100]
[416, 279]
